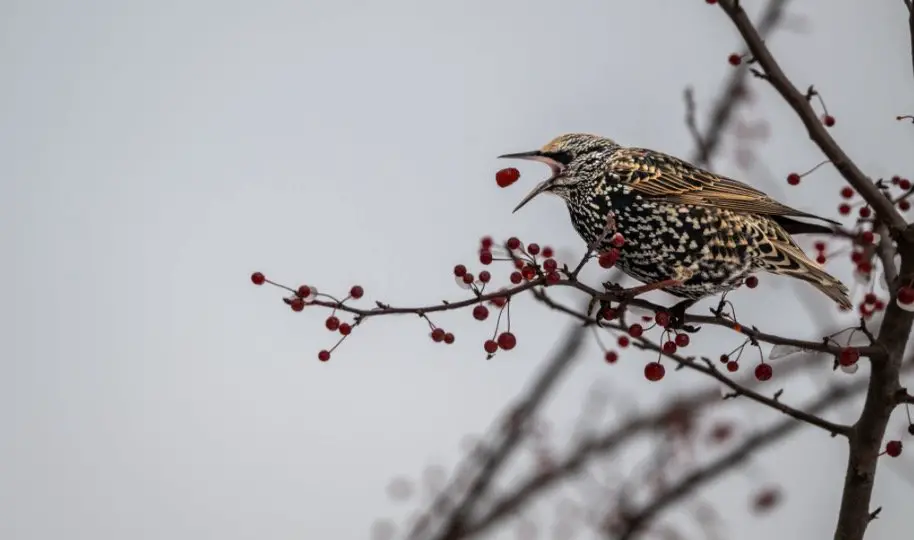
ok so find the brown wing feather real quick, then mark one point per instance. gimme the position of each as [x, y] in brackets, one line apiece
[655, 174]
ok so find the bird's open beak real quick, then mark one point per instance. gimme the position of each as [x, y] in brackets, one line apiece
[536, 155]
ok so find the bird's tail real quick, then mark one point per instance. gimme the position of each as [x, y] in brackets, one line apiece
[794, 263]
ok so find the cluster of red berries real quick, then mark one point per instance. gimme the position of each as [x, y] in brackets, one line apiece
[905, 185]
[530, 262]
[870, 305]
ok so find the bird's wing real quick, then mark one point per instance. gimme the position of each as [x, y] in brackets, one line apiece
[657, 175]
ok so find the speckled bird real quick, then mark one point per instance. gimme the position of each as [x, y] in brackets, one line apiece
[680, 222]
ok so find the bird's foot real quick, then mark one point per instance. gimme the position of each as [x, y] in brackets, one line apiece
[677, 317]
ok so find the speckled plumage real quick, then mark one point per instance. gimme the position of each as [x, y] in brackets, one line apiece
[679, 221]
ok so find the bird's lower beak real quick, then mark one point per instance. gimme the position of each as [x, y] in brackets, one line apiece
[541, 187]
[535, 155]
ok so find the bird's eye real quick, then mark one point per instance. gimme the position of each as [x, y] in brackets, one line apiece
[561, 157]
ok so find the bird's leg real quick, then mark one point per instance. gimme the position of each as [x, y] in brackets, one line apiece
[677, 316]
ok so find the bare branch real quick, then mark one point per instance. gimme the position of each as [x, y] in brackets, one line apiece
[709, 369]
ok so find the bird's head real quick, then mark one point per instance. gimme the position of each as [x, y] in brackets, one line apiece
[573, 158]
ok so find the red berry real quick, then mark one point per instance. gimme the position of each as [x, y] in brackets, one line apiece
[793, 179]
[735, 59]
[468, 278]
[611, 357]
[867, 237]
[460, 270]
[499, 301]
[906, 295]
[904, 183]
[257, 278]
[820, 246]
[507, 341]
[821, 258]
[356, 291]
[848, 356]
[724, 359]
[552, 278]
[516, 277]
[480, 312]
[485, 276]
[618, 240]
[506, 177]
[828, 120]
[904, 205]
[752, 282]
[669, 347]
[623, 341]
[654, 371]
[533, 249]
[513, 243]
[550, 265]
[610, 314]
[486, 242]
[332, 323]
[732, 366]
[303, 292]
[519, 264]
[683, 340]
[856, 257]
[847, 192]
[635, 330]
[763, 372]
[662, 318]
[485, 257]
[767, 499]
[323, 356]
[490, 346]
[712, 2]
[297, 304]
[893, 448]
[608, 258]
[865, 212]
[345, 329]
[844, 209]
[548, 252]
[437, 335]
[896, 179]
[449, 338]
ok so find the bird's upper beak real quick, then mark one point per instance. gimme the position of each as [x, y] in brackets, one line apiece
[536, 155]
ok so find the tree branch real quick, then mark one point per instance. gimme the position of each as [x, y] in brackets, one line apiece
[797, 100]
[709, 369]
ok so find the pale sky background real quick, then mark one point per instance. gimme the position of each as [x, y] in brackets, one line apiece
[154, 154]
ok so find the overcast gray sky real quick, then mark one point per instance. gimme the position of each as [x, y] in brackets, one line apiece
[153, 154]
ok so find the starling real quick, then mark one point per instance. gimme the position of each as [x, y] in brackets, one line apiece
[698, 233]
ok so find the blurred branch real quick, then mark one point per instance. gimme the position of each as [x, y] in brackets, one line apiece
[637, 521]
[707, 144]
[512, 431]
[798, 101]
[594, 446]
